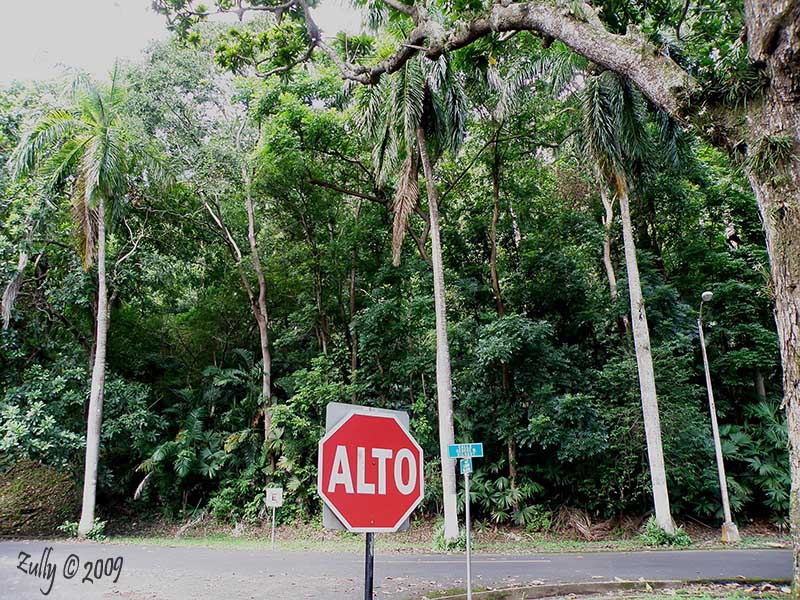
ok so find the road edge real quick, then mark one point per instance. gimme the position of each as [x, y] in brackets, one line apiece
[550, 590]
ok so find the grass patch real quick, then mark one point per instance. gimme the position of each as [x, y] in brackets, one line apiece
[292, 541]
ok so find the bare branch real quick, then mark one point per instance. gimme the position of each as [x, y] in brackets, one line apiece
[341, 190]
[286, 68]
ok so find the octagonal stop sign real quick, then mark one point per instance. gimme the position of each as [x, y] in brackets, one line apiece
[370, 472]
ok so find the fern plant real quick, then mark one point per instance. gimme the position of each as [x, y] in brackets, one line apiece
[758, 449]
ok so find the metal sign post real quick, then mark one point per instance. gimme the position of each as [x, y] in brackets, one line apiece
[370, 474]
[369, 565]
[466, 452]
[466, 469]
[273, 497]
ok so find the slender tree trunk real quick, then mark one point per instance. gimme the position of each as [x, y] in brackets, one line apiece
[353, 333]
[505, 372]
[644, 361]
[611, 274]
[95, 419]
[260, 311]
[493, 233]
[608, 224]
[758, 381]
[444, 389]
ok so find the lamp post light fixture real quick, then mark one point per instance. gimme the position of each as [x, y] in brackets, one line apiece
[730, 533]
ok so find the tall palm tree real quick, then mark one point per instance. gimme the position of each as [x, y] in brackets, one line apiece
[86, 153]
[413, 117]
[614, 115]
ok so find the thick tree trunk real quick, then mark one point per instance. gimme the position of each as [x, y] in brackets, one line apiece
[773, 42]
[95, 419]
[644, 362]
[778, 197]
[444, 390]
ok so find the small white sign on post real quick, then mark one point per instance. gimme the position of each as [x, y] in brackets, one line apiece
[273, 498]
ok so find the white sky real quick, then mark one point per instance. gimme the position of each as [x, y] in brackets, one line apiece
[39, 39]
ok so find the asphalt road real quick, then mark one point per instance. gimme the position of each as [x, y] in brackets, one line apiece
[164, 573]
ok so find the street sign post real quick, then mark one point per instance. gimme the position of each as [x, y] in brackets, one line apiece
[273, 498]
[370, 474]
[466, 452]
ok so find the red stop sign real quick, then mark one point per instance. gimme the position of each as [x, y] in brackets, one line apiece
[370, 472]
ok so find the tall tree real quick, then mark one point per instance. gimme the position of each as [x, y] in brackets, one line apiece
[418, 115]
[613, 126]
[88, 153]
[216, 154]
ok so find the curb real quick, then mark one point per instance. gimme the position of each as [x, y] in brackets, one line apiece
[594, 587]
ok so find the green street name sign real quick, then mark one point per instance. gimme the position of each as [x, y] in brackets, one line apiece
[465, 450]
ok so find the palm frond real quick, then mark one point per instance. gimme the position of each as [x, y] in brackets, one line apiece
[599, 126]
[61, 165]
[513, 89]
[674, 143]
[85, 218]
[140, 488]
[371, 103]
[408, 100]
[449, 105]
[558, 69]
[406, 197]
[47, 132]
[630, 109]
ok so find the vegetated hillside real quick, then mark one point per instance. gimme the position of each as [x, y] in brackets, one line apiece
[314, 179]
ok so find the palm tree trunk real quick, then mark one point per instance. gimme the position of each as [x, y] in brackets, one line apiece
[444, 391]
[644, 361]
[95, 418]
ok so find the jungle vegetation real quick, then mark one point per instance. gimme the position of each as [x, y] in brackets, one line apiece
[462, 215]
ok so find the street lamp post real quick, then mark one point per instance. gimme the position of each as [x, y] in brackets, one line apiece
[729, 531]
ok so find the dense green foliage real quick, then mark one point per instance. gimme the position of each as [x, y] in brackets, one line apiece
[548, 383]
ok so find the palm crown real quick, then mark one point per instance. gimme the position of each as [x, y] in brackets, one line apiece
[83, 151]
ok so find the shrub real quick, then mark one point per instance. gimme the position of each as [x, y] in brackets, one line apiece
[441, 545]
[95, 533]
[653, 535]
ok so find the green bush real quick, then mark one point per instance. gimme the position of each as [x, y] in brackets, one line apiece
[95, 533]
[441, 545]
[653, 535]
[537, 518]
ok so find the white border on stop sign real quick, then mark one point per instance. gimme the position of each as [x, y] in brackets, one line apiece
[352, 409]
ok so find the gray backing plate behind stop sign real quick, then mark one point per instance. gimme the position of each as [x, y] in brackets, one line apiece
[335, 412]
